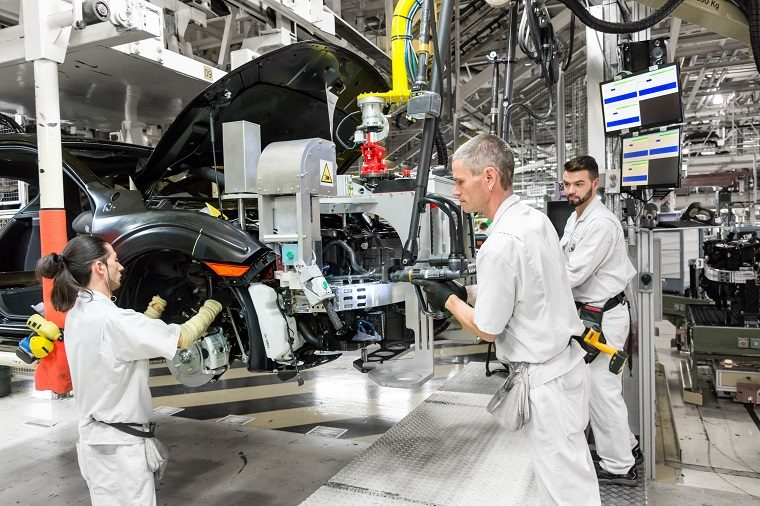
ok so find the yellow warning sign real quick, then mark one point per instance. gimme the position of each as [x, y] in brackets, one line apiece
[326, 175]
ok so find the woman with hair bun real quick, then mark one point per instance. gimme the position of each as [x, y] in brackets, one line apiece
[108, 349]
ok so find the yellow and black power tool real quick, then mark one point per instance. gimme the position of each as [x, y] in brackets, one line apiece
[592, 341]
[42, 341]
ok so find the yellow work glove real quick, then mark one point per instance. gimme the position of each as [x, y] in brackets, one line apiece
[41, 346]
[156, 307]
[195, 327]
[43, 327]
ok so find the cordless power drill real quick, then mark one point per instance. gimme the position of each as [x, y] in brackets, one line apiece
[593, 338]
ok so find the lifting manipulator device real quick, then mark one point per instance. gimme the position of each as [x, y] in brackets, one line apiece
[421, 104]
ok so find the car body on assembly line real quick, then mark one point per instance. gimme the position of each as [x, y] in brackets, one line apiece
[167, 237]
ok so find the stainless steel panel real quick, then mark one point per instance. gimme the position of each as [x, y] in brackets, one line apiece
[242, 149]
[291, 167]
[442, 454]
[367, 295]
[101, 87]
[449, 451]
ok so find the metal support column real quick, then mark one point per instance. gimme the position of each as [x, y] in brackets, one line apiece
[753, 217]
[509, 73]
[495, 61]
[457, 76]
[46, 52]
[52, 209]
[595, 75]
[560, 124]
[644, 364]
[388, 24]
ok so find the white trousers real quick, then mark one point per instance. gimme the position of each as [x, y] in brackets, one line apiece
[609, 414]
[559, 414]
[117, 474]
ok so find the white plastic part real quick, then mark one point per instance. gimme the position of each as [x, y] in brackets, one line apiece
[274, 326]
[314, 285]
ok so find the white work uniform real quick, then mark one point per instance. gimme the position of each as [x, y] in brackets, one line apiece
[108, 350]
[599, 268]
[524, 299]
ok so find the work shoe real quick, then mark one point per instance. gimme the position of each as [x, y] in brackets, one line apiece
[638, 455]
[630, 479]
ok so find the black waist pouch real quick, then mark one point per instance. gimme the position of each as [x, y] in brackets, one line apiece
[591, 317]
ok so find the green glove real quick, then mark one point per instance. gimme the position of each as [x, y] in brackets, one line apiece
[195, 327]
[438, 292]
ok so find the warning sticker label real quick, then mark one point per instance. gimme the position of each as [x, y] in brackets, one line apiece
[327, 178]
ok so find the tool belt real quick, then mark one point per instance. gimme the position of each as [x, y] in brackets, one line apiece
[596, 311]
[592, 317]
[156, 453]
[129, 428]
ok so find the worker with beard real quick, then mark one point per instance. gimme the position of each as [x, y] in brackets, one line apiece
[599, 270]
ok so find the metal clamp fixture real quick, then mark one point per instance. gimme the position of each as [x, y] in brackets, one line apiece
[724, 276]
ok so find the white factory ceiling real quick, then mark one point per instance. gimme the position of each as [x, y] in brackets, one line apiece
[721, 86]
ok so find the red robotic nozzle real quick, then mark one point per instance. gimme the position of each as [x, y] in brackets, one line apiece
[373, 153]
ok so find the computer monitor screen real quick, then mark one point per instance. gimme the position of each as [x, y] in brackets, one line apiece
[644, 100]
[652, 160]
[558, 212]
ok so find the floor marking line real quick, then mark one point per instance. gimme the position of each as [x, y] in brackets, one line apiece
[752, 414]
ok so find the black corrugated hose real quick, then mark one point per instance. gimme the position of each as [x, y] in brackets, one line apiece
[440, 146]
[751, 9]
[571, 44]
[601, 25]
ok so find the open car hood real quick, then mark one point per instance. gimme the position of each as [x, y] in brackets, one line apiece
[284, 92]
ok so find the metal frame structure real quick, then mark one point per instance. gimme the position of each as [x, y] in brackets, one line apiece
[639, 387]
[711, 65]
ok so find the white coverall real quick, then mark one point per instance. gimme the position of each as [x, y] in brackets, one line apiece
[599, 268]
[108, 350]
[524, 299]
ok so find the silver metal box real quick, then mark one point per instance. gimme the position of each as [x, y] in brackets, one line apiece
[242, 150]
[424, 104]
[304, 166]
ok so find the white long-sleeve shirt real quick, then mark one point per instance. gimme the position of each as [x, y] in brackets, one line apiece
[524, 297]
[596, 255]
[108, 350]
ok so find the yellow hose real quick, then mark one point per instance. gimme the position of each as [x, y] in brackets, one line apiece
[400, 92]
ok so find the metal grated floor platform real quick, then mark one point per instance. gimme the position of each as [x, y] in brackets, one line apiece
[449, 451]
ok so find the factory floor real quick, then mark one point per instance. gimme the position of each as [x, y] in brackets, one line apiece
[716, 445]
[225, 452]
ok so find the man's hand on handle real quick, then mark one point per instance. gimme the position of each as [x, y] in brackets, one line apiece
[438, 292]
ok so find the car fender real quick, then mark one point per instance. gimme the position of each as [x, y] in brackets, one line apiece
[121, 218]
